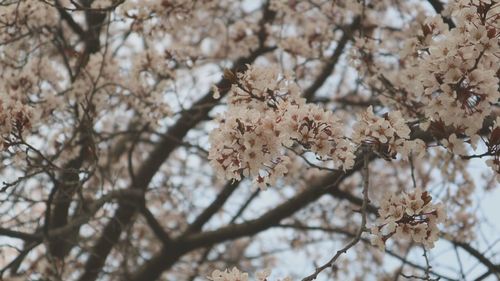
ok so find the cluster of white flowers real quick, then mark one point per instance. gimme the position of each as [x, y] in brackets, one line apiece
[248, 141]
[447, 76]
[226, 275]
[236, 275]
[459, 75]
[411, 215]
[453, 74]
[319, 131]
[265, 115]
[387, 135]
[247, 144]
[384, 130]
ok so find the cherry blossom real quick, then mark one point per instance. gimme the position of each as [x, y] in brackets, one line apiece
[410, 216]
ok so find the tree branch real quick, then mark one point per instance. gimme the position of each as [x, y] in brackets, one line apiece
[332, 61]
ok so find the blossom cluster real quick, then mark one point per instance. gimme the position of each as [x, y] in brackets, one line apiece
[447, 74]
[318, 131]
[455, 70]
[266, 115]
[411, 215]
[387, 135]
[236, 275]
[246, 144]
[226, 275]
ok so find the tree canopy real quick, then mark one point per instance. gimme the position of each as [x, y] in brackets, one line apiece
[281, 139]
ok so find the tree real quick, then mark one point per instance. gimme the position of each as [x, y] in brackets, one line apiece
[175, 139]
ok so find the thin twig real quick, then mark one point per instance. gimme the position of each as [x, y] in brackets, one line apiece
[361, 229]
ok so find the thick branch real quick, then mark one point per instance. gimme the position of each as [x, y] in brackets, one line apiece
[153, 268]
[494, 268]
[213, 208]
[69, 19]
[19, 235]
[64, 189]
